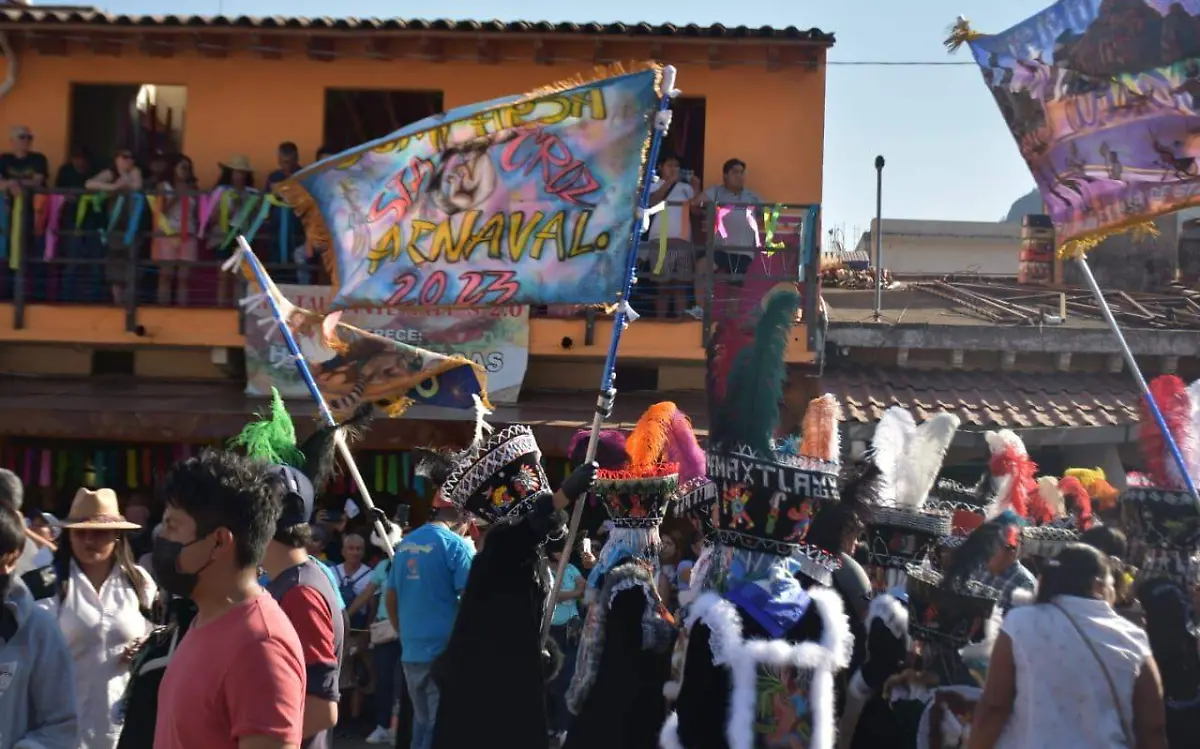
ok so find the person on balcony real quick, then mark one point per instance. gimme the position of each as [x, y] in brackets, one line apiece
[23, 170]
[737, 229]
[176, 224]
[236, 185]
[671, 260]
[82, 279]
[122, 177]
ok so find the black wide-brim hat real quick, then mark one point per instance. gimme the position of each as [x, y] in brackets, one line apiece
[1046, 540]
[766, 503]
[501, 478]
[948, 616]
[1165, 524]
[637, 497]
[898, 537]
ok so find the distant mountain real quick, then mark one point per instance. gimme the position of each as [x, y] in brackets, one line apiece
[1023, 206]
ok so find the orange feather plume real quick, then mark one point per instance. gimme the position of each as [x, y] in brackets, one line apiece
[821, 438]
[647, 443]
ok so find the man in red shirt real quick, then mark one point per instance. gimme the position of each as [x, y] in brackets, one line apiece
[237, 679]
[309, 600]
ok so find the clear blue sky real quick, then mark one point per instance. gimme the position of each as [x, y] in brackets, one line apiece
[949, 155]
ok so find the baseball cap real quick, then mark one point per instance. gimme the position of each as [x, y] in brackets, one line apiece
[299, 498]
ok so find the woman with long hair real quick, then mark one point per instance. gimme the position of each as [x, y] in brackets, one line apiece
[1070, 671]
[177, 223]
[236, 187]
[103, 609]
[118, 180]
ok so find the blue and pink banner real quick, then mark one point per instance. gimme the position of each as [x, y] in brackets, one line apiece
[522, 200]
[1103, 99]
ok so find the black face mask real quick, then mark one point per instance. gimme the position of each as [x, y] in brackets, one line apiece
[165, 561]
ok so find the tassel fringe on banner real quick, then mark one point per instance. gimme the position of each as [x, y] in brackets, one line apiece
[1140, 227]
[292, 193]
[960, 34]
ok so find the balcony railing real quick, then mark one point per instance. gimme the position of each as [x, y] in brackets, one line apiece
[125, 250]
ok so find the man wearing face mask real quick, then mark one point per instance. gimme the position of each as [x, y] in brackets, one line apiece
[237, 680]
[37, 684]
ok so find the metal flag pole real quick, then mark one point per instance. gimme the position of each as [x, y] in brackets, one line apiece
[1137, 375]
[260, 274]
[662, 122]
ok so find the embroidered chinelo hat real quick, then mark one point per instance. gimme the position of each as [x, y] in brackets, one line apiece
[1159, 514]
[947, 614]
[967, 509]
[903, 526]
[768, 491]
[500, 476]
[637, 495]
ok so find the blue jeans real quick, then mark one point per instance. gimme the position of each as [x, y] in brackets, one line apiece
[424, 694]
[386, 657]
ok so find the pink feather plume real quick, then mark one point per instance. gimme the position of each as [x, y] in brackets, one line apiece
[1171, 395]
[684, 449]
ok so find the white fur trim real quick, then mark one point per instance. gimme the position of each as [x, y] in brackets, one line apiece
[668, 737]
[891, 612]
[743, 657]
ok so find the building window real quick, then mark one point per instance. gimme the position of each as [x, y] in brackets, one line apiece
[144, 118]
[354, 117]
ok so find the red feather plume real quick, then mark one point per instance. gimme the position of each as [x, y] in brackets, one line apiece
[1011, 462]
[1170, 393]
[1040, 511]
[1078, 500]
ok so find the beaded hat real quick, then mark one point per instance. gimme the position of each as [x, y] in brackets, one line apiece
[499, 477]
[1159, 514]
[637, 494]
[768, 491]
[947, 614]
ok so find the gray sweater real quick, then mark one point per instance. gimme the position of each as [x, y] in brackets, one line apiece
[37, 682]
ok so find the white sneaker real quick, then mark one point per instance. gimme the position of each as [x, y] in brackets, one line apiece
[380, 735]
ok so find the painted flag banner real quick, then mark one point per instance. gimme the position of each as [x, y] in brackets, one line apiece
[521, 200]
[1103, 99]
[352, 366]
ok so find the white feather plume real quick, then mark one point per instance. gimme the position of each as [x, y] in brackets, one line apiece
[889, 446]
[1001, 500]
[1052, 495]
[997, 441]
[923, 459]
[1194, 395]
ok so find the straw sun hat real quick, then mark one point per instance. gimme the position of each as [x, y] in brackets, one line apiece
[97, 510]
[239, 162]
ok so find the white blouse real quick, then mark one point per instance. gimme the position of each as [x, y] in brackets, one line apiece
[98, 627]
[1063, 698]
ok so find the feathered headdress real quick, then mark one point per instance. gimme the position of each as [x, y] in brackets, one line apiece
[1175, 401]
[610, 449]
[1077, 501]
[1101, 493]
[1012, 474]
[684, 449]
[910, 456]
[749, 412]
[982, 545]
[271, 437]
[1047, 504]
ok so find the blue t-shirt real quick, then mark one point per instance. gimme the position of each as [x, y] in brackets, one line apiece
[379, 578]
[565, 611]
[428, 575]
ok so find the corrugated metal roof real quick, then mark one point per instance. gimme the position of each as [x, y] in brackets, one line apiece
[89, 17]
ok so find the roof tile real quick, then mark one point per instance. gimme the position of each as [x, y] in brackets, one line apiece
[87, 16]
[987, 399]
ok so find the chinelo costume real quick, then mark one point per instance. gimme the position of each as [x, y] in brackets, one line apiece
[762, 651]
[492, 675]
[904, 527]
[1159, 514]
[616, 693]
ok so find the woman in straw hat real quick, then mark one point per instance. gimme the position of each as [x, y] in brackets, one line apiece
[103, 608]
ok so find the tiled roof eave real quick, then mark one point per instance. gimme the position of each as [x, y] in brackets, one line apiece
[74, 20]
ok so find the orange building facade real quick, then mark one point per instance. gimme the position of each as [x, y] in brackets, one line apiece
[242, 86]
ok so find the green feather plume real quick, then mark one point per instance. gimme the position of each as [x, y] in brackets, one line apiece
[754, 388]
[271, 437]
